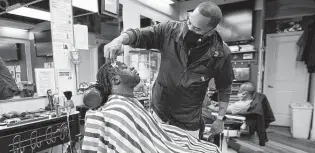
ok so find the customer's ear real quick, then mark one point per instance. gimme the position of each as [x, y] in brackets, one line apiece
[115, 80]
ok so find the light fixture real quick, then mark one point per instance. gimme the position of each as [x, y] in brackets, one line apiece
[32, 13]
[168, 1]
[90, 5]
[9, 29]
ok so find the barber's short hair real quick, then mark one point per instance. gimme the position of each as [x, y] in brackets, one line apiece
[249, 87]
[212, 11]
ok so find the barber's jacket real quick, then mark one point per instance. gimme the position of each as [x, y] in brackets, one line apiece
[8, 86]
[179, 89]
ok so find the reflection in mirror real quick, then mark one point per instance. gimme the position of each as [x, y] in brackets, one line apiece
[147, 64]
[102, 28]
[25, 43]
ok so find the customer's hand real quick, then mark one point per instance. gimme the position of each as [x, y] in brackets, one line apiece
[217, 127]
[113, 49]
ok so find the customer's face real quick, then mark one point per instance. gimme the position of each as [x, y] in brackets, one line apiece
[127, 74]
[242, 93]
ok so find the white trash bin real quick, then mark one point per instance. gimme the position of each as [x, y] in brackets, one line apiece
[301, 119]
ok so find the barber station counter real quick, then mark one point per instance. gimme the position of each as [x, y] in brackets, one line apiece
[39, 133]
[30, 104]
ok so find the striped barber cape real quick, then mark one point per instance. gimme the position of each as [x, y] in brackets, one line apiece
[123, 125]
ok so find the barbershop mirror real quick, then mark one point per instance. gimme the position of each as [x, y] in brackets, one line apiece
[25, 40]
[102, 28]
[26, 43]
[147, 64]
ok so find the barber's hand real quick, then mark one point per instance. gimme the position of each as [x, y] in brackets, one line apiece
[212, 107]
[113, 49]
[217, 127]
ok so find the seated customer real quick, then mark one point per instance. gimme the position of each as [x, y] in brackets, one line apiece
[122, 124]
[245, 96]
[8, 87]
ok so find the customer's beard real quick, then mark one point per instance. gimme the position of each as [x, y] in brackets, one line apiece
[130, 80]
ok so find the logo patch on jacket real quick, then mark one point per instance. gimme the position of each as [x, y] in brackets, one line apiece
[216, 54]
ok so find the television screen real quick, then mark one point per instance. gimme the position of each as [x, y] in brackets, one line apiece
[43, 43]
[236, 24]
[242, 74]
[44, 36]
[9, 51]
[44, 49]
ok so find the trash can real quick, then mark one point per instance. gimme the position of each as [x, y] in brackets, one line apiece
[301, 119]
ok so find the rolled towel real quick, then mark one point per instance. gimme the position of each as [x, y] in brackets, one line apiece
[92, 98]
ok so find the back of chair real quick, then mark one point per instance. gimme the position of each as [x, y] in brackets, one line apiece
[258, 117]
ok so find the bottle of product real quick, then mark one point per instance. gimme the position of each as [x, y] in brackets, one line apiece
[57, 105]
[69, 103]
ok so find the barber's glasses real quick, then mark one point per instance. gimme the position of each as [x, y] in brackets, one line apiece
[198, 30]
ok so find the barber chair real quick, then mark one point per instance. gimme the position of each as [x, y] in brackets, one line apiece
[234, 126]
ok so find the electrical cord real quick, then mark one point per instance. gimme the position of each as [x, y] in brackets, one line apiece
[68, 122]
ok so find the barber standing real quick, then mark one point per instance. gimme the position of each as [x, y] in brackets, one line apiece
[192, 52]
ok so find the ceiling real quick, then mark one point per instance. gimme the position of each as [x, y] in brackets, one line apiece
[16, 21]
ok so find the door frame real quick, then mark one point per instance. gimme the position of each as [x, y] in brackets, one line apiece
[265, 83]
[266, 80]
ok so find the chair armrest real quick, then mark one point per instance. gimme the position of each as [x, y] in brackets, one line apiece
[231, 116]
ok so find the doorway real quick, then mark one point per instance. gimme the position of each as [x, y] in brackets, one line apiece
[286, 80]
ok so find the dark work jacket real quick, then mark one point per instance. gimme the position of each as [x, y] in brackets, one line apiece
[179, 89]
[306, 45]
[8, 87]
[259, 116]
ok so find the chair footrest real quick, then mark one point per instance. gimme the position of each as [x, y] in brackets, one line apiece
[230, 116]
[229, 133]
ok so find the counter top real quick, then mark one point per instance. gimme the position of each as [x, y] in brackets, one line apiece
[20, 99]
[35, 120]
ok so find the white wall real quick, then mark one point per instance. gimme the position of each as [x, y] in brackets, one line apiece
[153, 9]
[312, 100]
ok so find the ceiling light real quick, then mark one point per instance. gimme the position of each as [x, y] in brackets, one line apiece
[32, 13]
[90, 5]
[9, 29]
[168, 1]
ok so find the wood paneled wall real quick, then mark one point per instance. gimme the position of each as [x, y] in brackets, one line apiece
[277, 9]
